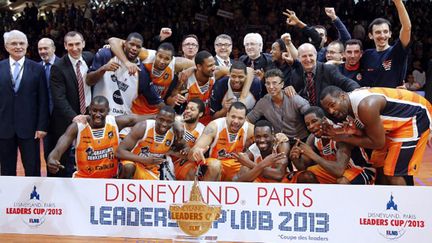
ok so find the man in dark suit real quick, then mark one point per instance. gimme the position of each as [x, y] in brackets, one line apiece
[254, 57]
[223, 48]
[46, 50]
[310, 77]
[23, 107]
[71, 95]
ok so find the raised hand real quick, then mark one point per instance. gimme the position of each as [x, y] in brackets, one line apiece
[292, 19]
[331, 13]
[286, 37]
[165, 32]
[295, 152]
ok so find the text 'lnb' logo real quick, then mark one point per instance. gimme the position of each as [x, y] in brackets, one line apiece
[32, 210]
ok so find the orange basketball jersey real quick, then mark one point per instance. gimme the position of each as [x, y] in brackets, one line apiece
[202, 92]
[153, 145]
[328, 152]
[406, 115]
[95, 150]
[160, 79]
[226, 143]
[182, 166]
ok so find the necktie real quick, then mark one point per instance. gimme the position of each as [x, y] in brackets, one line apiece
[47, 75]
[47, 70]
[15, 76]
[226, 63]
[252, 64]
[311, 88]
[80, 88]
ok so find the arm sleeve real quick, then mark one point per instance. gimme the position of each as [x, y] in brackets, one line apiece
[339, 80]
[146, 87]
[172, 86]
[101, 58]
[256, 88]
[256, 112]
[218, 93]
[315, 38]
[344, 35]
[301, 104]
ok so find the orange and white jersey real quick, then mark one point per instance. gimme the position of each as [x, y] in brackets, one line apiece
[95, 150]
[202, 92]
[406, 115]
[120, 88]
[328, 151]
[257, 158]
[161, 81]
[225, 143]
[191, 136]
[153, 144]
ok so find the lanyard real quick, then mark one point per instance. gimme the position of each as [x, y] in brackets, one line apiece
[14, 81]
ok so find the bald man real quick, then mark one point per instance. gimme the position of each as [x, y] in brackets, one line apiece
[46, 50]
[309, 77]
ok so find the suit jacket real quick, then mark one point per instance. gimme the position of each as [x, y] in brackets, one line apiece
[264, 61]
[50, 102]
[64, 91]
[325, 75]
[26, 111]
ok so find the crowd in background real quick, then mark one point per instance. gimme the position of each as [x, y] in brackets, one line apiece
[264, 16]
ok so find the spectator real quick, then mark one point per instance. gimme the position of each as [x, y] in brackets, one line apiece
[351, 68]
[385, 66]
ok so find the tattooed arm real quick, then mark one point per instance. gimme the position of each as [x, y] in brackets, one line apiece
[203, 143]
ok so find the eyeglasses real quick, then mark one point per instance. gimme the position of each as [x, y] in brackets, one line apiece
[267, 84]
[251, 44]
[333, 52]
[14, 43]
[223, 45]
[190, 45]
